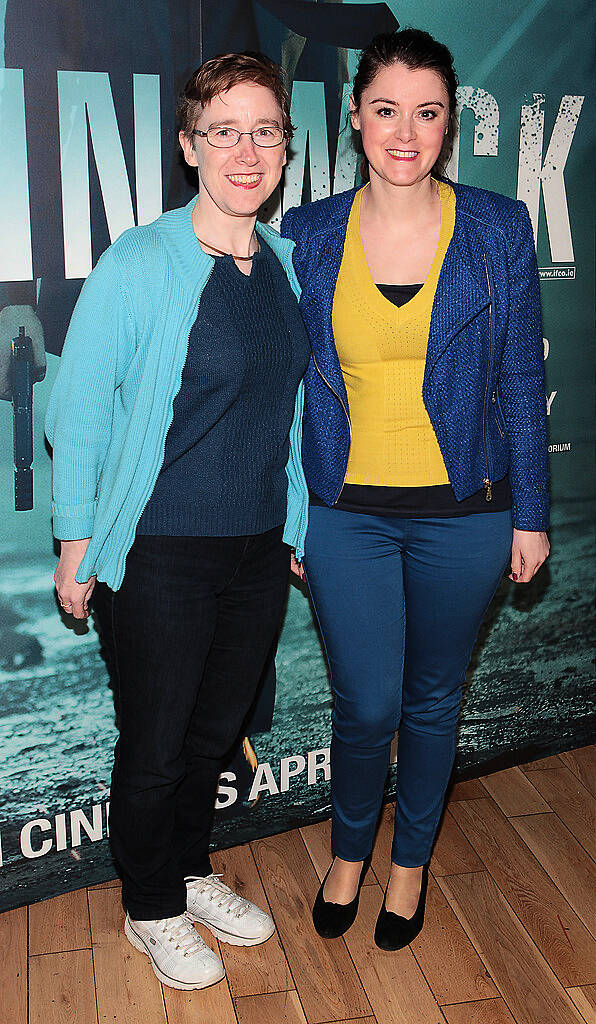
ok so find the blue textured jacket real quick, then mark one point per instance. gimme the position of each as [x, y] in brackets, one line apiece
[483, 382]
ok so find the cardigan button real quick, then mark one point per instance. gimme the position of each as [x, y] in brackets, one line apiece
[493, 397]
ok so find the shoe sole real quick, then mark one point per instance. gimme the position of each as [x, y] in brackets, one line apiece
[229, 937]
[138, 943]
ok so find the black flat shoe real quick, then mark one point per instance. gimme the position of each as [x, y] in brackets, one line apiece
[333, 919]
[395, 932]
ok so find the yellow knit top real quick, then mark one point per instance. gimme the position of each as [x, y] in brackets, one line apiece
[382, 352]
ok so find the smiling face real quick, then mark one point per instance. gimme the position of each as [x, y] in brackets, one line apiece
[402, 117]
[237, 181]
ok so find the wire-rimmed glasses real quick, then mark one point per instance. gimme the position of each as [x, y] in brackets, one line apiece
[266, 136]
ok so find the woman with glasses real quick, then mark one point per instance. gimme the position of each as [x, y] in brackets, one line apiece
[176, 427]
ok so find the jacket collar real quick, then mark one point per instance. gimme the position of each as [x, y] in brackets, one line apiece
[194, 265]
[462, 291]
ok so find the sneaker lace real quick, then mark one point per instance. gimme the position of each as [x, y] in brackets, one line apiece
[214, 887]
[181, 931]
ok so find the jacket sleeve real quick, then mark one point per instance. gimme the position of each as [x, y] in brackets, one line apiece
[521, 381]
[294, 225]
[286, 228]
[79, 415]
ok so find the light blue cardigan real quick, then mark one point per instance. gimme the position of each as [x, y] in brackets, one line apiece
[112, 403]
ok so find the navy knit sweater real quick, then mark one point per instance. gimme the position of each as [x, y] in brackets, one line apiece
[223, 472]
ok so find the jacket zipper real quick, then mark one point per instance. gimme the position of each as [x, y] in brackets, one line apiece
[487, 480]
[342, 403]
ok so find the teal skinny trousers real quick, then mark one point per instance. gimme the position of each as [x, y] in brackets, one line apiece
[399, 604]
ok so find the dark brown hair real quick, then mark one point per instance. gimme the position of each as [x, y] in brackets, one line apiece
[416, 50]
[219, 74]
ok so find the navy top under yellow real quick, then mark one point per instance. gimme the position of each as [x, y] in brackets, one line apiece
[223, 472]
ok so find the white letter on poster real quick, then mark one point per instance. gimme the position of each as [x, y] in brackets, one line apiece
[78, 820]
[308, 112]
[86, 95]
[486, 126]
[286, 773]
[26, 848]
[60, 829]
[532, 173]
[318, 761]
[15, 223]
[147, 148]
[263, 782]
[346, 157]
[226, 795]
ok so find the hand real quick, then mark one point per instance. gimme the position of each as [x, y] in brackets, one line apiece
[73, 596]
[296, 567]
[530, 549]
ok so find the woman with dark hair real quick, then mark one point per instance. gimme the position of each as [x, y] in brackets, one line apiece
[425, 453]
[176, 426]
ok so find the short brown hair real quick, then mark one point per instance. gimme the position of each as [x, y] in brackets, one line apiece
[221, 73]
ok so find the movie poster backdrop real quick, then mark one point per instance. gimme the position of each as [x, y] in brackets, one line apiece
[88, 148]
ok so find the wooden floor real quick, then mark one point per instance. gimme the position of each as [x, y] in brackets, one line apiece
[510, 932]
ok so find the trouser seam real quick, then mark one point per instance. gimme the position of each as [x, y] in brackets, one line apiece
[238, 561]
[113, 627]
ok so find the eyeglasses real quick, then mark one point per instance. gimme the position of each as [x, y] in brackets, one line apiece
[266, 136]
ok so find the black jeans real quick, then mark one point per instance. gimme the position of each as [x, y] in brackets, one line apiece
[187, 634]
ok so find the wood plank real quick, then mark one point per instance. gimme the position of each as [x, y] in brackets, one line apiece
[570, 799]
[567, 863]
[554, 761]
[326, 980]
[486, 1011]
[453, 854]
[381, 857]
[278, 1007]
[13, 965]
[127, 989]
[514, 792]
[59, 924]
[584, 998]
[557, 931]
[448, 959]
[395, 985]
[470, 790]
[61, 988]
[317, 839]
[251, 970]
[582, 762]
[524, 979]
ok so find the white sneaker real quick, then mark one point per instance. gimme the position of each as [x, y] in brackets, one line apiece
[228, 916]
[177, 952]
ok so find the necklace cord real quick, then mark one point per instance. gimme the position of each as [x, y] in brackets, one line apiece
[220, 252]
